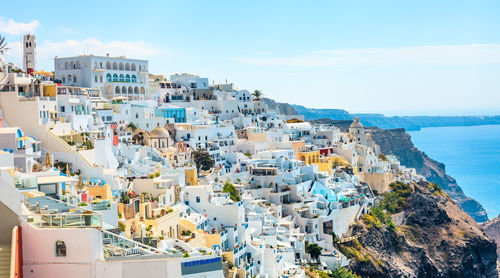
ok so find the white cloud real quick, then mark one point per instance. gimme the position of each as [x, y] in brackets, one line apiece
[440, 55]
[17, 28]
[138, 49]
[47, 50]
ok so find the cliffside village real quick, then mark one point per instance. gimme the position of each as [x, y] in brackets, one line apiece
[108, 170]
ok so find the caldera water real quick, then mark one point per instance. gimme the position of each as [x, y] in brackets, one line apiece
[471, 155]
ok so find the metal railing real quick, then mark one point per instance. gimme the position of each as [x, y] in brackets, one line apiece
[52, 213]
[117, 245]
[70, 220]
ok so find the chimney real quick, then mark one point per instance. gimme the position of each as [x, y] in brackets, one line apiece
[107, 54]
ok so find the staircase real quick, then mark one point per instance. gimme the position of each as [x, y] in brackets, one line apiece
[4, 261]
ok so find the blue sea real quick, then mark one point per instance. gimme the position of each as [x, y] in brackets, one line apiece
[471, 155]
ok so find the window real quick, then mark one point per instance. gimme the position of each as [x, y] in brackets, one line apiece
[197, 199]
[121, 78]
[62, 108]
[96, 79]
[127, 78]
[108, 77]
[136, 116]
[74, 78]
[115, 77]
[134, 79]
[100, 78]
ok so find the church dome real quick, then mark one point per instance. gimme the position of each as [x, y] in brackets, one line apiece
[159, 132]
[356, 123]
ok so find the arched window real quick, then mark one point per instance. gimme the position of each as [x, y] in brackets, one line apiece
[66, 65]
[134, 79]
[115, 77]
[127, 78]
[72, 65]
[130, 90]
[115, 66]
[124, 90]
[108, 65]
[121, 66]
[136, 90]
[127, 66]
[133, 67]
[142, 90]
[108, 77]
[117, 90]
[122, 78]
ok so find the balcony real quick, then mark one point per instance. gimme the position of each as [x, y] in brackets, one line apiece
[46, 212]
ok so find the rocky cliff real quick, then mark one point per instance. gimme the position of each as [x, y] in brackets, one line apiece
[398, 142]
[284, 108]
[492, 230]
[436, 239]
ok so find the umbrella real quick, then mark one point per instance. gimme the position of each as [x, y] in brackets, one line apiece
[88, 179]
[48, 160]
[80, 181]
[24, 138]
[67, 170]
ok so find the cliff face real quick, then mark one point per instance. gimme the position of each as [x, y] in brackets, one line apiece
[284, 108]
[398, 143]
[436, 239]
[492, 230]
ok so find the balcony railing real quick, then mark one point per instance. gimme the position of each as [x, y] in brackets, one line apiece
[119, 246]
[70, 220]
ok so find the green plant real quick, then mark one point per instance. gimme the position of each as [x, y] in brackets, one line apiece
[343, 273]
[3, 45]
[314, 250]
[185, 255]
[382, 157]
[121, 226]
[234, 194]
[82, 204]
[132, 126]
[203, 160]
[435, 188]
[257, 94]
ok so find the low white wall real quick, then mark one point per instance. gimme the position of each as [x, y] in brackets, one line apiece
[151, 268]
[83, 249]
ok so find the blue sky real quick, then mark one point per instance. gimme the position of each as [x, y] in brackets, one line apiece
[392, 57]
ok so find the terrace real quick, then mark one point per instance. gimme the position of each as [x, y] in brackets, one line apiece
[45, 212]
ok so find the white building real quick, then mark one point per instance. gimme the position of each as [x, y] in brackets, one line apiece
[114, 76]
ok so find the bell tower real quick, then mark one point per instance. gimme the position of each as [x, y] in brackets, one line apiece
[29, 53]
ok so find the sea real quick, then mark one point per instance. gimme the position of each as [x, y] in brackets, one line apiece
[471, 155]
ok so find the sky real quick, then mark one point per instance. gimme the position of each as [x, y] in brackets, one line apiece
[391, 57]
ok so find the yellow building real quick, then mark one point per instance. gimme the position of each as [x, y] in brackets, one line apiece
[324, 163]
[101, 192]
[191, 176]
[310, 157]
[298, 147]
[49, 90]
